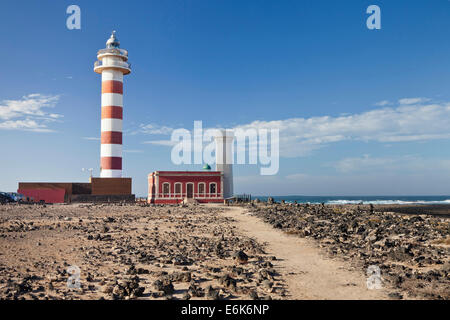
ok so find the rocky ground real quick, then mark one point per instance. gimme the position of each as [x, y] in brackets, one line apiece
[130, 252]
[412, 251]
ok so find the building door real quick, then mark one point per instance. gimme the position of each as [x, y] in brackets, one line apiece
[190, 190]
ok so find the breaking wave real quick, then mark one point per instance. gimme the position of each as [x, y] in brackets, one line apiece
[386, 202]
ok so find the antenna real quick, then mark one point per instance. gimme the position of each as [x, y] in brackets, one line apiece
[90, 171]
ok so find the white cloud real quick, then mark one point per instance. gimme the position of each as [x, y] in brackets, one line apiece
[28, 113]
[406, 164]
[410, 121]
[167, 143]
[301, 136]
[366, 163]
[154, 129]
[383, 103]
[27, 125]
[413, 100]
[30, 105]
[92, 138]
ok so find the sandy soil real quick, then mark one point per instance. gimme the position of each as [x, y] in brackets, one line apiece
[308, 272]
[171, 252]
[130, 252]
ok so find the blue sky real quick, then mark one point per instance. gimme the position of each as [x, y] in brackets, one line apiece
[360, 112]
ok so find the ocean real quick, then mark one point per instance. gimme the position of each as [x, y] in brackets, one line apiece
[407, 200]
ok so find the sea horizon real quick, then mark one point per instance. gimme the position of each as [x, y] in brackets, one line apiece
[368, 199]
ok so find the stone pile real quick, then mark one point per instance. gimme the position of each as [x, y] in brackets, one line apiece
[412, 251]
[127, 288]
[130, 252]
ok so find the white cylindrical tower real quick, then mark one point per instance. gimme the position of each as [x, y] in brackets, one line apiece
[224, 160]
[112, 65]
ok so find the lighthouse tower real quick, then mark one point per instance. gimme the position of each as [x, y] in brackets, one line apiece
[224, 160]
[112, 65]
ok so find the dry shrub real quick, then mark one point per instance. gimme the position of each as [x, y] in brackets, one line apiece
[445, 241]
[292, 231]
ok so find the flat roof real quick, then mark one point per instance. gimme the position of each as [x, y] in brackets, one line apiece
[186, 172]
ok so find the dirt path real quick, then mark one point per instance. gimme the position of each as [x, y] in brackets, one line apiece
[308, 273]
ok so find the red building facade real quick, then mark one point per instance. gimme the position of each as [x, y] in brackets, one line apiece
[97, 190]
[46, 195]
[175, 186]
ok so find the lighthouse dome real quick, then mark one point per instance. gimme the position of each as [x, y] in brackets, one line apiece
[113, 42]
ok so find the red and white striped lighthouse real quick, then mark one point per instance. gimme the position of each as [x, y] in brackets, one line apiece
[112, 65]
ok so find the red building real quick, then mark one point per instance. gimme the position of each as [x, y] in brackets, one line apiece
[175, 186]
[97, 190]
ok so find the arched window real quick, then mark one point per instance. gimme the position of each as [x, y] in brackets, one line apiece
[212, 188]
[201, 189]
[166, 188]
[178, 189]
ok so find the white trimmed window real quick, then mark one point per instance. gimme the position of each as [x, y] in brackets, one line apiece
[178, 189]
[166, 188]
[212, 188]
[201, 188]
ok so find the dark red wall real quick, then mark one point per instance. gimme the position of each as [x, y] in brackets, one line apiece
[47, 195]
